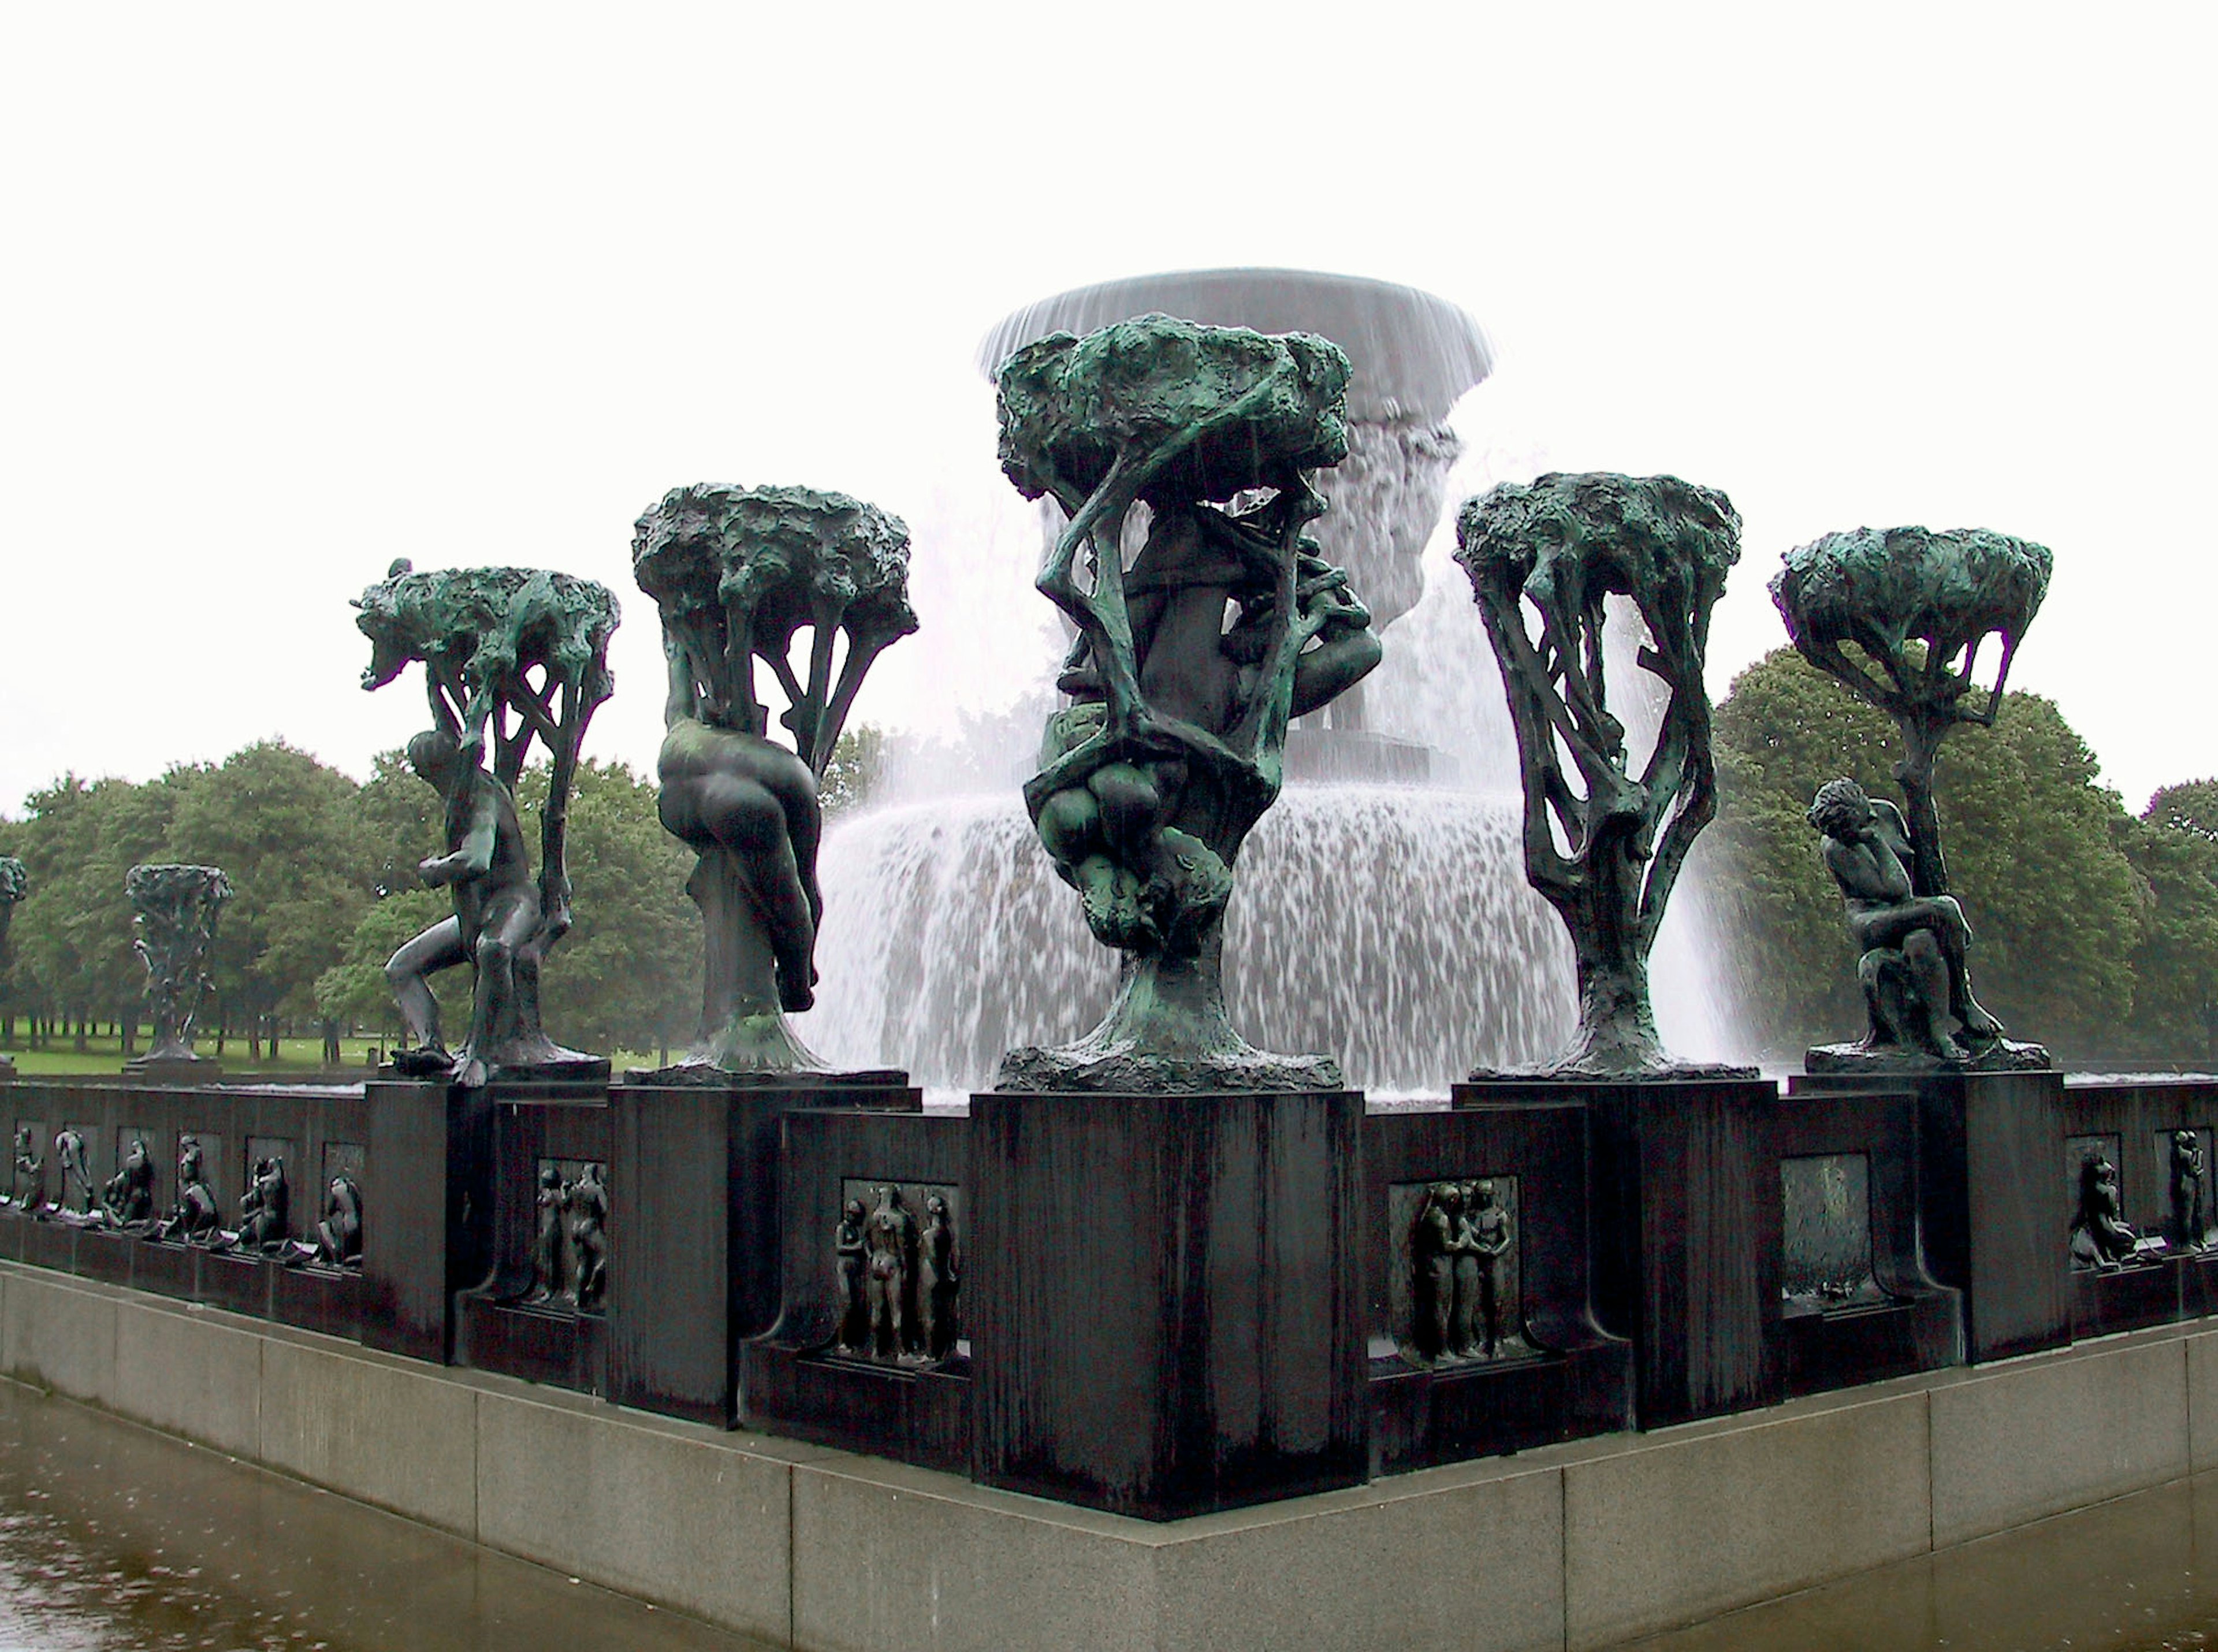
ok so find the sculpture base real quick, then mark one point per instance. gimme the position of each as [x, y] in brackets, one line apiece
[1571, 1073]
[537, 1060]
[173, 1068]
[7, 1068]
[2004, 1055]
[695, 1073]
[1088, 1069]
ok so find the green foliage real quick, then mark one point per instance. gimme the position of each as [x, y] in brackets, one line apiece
[857, 760]
[2191, 806]
[2038, 853]
[2174, 850]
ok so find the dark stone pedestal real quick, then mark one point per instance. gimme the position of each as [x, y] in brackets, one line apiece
[172, 1069]
[424, 1221]
[1883, 1316]
[1556, 1375]
[1168, 1307]
[1992, 1199]
[1686, 1231]
[794, 1379]
[2104, 1301]
[694, 1233]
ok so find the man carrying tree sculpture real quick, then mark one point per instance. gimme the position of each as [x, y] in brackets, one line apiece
[482, 635]
[1174, 746]
[14, 886]
[1899, 617]
[738, 573]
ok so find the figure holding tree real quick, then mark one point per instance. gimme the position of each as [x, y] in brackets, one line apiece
[739, 574]
[1898, 616]
[514, 655]
[175, 909]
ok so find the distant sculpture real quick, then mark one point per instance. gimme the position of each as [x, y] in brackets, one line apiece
[850, 1253]
[938, 1280]
[548, 1277]
[28, 1187]
[265, 1210]
[737, 573]
[1917, 606]
[196, 1214]
[2188, 1220]
[587, 1203]
[338, 1236]
[176, 908]
[482, 635]
[1188, 663]
[890, 1277]
[1603, 845]
[14, 884]
[2100, 1238]
[1912, 947]
[68, 1155]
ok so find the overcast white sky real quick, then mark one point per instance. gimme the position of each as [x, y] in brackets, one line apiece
[288, 291]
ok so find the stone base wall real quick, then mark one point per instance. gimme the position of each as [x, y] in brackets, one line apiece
[1581, 1546]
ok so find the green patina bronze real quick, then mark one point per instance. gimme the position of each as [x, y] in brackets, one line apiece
[175, 909]
[14, 884]
[1900, 617]
[1200, 443]
[514, 655]
[1605, 844]
[738, 573]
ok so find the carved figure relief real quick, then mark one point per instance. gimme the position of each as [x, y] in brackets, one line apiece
[27, 1186]
[265, 1210]
[1455, 1295]
[2101, 1238]
[898, 1280]
[2187, 1184]
[338, 1236]
[196, 1214]
[127, 1196]
[76, 1175]
[569, 1253]
[589, 1213]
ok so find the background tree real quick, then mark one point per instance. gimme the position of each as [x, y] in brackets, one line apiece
[2174, 849]
[2057, 909]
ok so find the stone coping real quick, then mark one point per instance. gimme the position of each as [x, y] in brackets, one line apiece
[1581, 1546]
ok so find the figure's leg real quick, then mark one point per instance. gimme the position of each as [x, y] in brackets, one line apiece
[748, 819]
[509, 924]
[1921, 954]
[437, 948]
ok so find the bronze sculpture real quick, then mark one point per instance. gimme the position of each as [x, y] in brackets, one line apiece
[850, 1253]
[737, 574]
[2100, 1238]
[483, 635]
[2185, 1185]
[28, 1187]
[175, 910]
[338, 1236]
[197, 1216]
[1188, 663]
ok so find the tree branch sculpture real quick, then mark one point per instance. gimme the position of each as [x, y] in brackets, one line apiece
[175, 908]
[1898, 616]
[1604, 846]
[1172, 749]
[514, 655]
[14, 884]
[738, 574]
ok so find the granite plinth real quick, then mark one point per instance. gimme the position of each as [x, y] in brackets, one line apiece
[1168, 1305]
[1991, 1199]
[1560, 1375]
[1896, 1061]
[1686, 1226]
[695, 1239]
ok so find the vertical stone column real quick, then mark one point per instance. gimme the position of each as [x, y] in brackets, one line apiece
[1168, 1315]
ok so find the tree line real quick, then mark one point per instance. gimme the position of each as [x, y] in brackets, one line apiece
[2095, 930]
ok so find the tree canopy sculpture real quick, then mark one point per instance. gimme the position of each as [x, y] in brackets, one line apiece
[519, 654]
[1603, 845]
[176, 908]
[1208, 438]
[738, 573]
[14, 884]
[1898, 616]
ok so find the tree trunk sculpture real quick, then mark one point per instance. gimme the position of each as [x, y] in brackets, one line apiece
[1607, 850]
[738, 573]
[176, 908]
[1189, 662]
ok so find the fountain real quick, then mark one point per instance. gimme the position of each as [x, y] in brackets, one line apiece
[952, 941]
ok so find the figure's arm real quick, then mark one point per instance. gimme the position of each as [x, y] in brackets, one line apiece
[472, 856]
[1348, 649]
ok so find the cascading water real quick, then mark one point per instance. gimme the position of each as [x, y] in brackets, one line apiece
[1389, 926]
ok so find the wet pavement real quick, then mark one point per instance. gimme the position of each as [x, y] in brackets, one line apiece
[114, 1537]
[2133, 1576]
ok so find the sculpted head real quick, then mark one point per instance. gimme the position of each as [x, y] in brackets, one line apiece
[1841, 810]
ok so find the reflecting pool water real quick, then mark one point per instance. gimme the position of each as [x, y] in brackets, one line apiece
[116, 1538]
[2134, 1575]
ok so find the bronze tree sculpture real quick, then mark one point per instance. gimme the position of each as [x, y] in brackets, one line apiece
[14, 884]
[1898, 616]
[1200, 444]
[738, 574]
[1605, 844]
[175, 909]
[515, 654]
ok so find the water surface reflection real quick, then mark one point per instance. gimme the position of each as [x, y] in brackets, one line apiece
[115, 1539]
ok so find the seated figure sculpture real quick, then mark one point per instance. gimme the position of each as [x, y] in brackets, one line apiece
[197, 1214]
[1913, 966]
[28, 1187]
[128, 1195]
[338, 1236]
[2101, 1238]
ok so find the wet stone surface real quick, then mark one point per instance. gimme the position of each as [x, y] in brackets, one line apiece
[2139, 1574]
[114, 1539]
